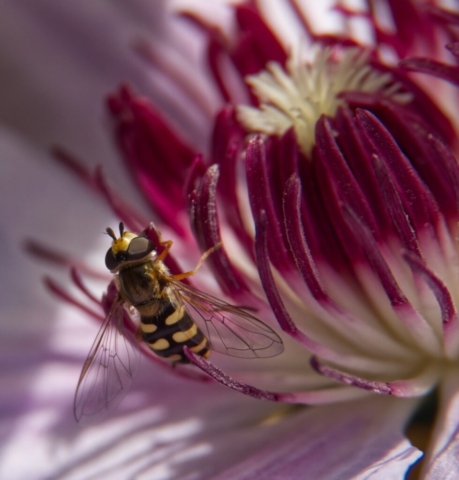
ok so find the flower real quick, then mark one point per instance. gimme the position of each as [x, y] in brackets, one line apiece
[350, 226]
[352, 187]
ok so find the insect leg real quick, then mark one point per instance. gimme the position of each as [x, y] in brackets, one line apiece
[181, 276]
[167, 244]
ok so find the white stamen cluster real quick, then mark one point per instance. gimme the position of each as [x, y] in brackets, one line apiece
[300, 95]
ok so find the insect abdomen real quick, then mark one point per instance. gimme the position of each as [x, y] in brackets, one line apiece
[170, 330]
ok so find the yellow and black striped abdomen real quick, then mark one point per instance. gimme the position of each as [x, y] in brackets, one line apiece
[170, 330]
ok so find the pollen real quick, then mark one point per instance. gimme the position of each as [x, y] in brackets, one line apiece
[299, 95]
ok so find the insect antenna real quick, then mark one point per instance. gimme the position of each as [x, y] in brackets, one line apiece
[121, 229]
[110, 233]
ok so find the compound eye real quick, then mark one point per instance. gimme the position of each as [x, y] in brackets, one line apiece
[139, 247]
[110, 260]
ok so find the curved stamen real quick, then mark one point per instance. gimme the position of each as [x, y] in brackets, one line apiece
[445, 302]
[57, 290]
[315, 397]
[415, 386]
[78, 281]
[205, 223]
[415, 325]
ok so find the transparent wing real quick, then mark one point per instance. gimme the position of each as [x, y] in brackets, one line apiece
[230, 330]
[109, 369]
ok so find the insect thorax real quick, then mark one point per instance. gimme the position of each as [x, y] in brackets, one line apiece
[142, 284]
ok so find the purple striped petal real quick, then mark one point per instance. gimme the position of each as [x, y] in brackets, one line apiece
[316, 443]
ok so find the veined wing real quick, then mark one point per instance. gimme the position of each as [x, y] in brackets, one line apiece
[108, 370]
[231, 330]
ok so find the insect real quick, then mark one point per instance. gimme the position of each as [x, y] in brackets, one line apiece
[172, 315]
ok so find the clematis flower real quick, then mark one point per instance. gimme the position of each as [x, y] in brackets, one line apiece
[348, 169]
[330, 179]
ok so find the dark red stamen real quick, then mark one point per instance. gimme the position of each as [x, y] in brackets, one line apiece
[204, 220]
[348, 379]
[66, 297]
[298, 245]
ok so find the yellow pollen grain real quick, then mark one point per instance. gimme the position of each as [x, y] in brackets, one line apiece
[181, 337]
[175, 317]
[299, 94]
[160, 344]
[174, 358]
[198, 348]
[148, 327]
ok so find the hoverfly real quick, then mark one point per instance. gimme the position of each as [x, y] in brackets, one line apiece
[172, 315]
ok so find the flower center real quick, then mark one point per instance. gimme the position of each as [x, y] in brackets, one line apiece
[299, 95]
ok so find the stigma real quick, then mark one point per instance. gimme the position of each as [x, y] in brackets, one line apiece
[300, 94]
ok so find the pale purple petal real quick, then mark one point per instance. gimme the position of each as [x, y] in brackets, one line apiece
[57, 63]
[320, 443]
[167, 426]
